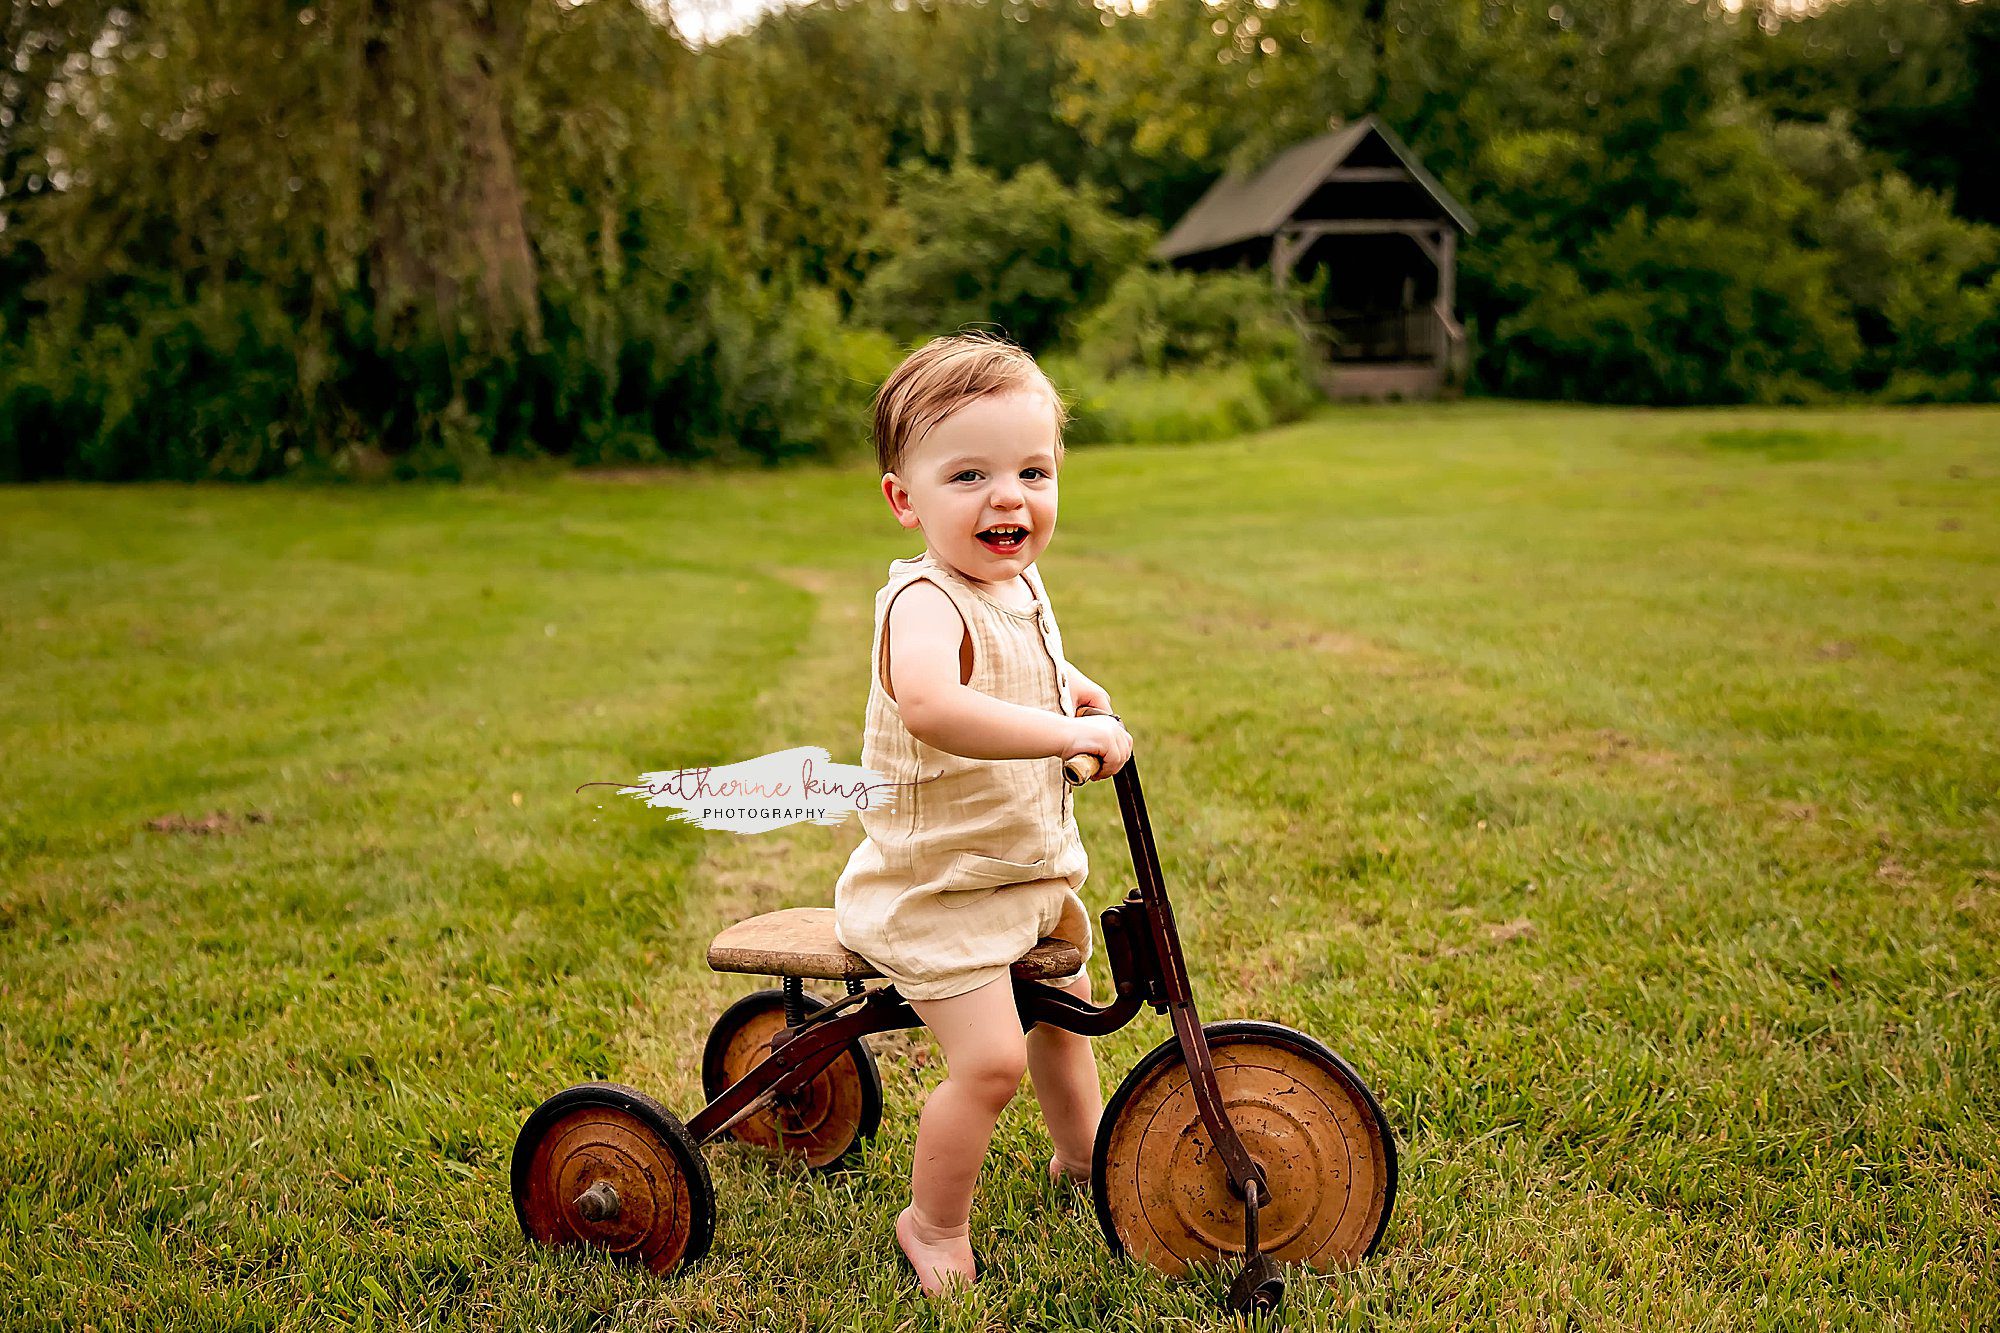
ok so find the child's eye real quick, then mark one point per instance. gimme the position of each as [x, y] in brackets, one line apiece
[1033, 471]
[963, 475]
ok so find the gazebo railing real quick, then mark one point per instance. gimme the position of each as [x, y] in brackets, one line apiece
[1387, 335]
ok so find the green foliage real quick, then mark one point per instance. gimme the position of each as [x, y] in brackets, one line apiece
[1770, 264]
[786, 137]
[1918, 80]
[1159, 319]
[1923, 284]
[708, 368]
[208, 388]
[255, 314]
[1216, 84]
[1702, 297]
[1172, 356]
[965, 247]
[239, 239]
[789, 382]
[1643, 237]
[1181, 406]
[722, 371]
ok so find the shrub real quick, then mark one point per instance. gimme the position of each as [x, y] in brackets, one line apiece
[1158, 320]
[966, 247]
[686, 363]
[173, 391]
[1179, 406]
[1172, 356]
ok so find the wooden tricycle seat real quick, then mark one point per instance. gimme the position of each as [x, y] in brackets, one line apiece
[799, 942]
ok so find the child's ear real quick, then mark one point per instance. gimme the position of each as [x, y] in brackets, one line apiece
[899, 500]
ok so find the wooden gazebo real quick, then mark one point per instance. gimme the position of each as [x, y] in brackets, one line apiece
[1358, 201]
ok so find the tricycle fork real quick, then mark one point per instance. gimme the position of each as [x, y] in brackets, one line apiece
[1172, 992]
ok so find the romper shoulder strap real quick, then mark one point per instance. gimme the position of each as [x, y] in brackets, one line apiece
[902, 573]
[1033, 574]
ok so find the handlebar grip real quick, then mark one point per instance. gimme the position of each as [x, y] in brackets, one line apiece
[1081, 768]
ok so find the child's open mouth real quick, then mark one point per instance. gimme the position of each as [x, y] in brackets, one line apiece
[1005, 539]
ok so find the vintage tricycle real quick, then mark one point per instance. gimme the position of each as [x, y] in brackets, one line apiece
[1230, 1141]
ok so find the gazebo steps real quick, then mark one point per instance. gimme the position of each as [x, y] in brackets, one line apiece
[1382, 379]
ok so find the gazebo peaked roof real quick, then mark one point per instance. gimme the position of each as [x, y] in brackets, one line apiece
[1244, 206]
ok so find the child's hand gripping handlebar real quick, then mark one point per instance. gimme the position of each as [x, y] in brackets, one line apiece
[1081, 768]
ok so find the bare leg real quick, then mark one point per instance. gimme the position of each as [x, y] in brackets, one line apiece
[985, 1055]
[1064, 1069]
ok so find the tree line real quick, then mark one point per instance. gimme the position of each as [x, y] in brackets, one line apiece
[245, 237]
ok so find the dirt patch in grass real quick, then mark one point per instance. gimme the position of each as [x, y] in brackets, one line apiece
[211, 824]
[1603, 749]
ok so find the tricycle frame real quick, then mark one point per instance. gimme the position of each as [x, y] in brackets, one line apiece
[1147, 967]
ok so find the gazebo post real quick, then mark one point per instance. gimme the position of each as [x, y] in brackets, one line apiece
[1447, 298]
[1284, 253]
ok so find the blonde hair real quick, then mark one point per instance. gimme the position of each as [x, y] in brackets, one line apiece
[944, 375]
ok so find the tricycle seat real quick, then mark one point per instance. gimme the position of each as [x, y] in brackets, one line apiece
[799, 942]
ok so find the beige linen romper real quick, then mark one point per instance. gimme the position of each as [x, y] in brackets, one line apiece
[959, 876]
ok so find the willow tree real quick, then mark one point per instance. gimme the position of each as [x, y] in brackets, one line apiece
[276, 229]
[354, 140]
[447, 213]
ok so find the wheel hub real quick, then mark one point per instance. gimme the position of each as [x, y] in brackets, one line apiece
[593, 1160]
[1195, 1188]
[607, 1167]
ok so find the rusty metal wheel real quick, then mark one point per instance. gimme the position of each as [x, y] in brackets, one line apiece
[823, 1125]
[1160, 1189]
[610, 1168]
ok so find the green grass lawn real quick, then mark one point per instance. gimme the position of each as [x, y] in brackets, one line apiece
[1615, 790]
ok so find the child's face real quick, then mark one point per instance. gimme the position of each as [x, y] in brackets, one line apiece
[989, 465]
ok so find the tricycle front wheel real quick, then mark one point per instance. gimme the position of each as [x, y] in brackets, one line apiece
[1161, 1190]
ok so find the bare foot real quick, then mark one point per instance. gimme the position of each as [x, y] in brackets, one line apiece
[1059, 1171]
[941, 1258]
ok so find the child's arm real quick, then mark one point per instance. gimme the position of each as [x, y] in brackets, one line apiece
[1085, 692]
[924, 634]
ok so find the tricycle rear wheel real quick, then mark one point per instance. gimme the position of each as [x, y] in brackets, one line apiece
[825, 1123]
[607, 1167]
